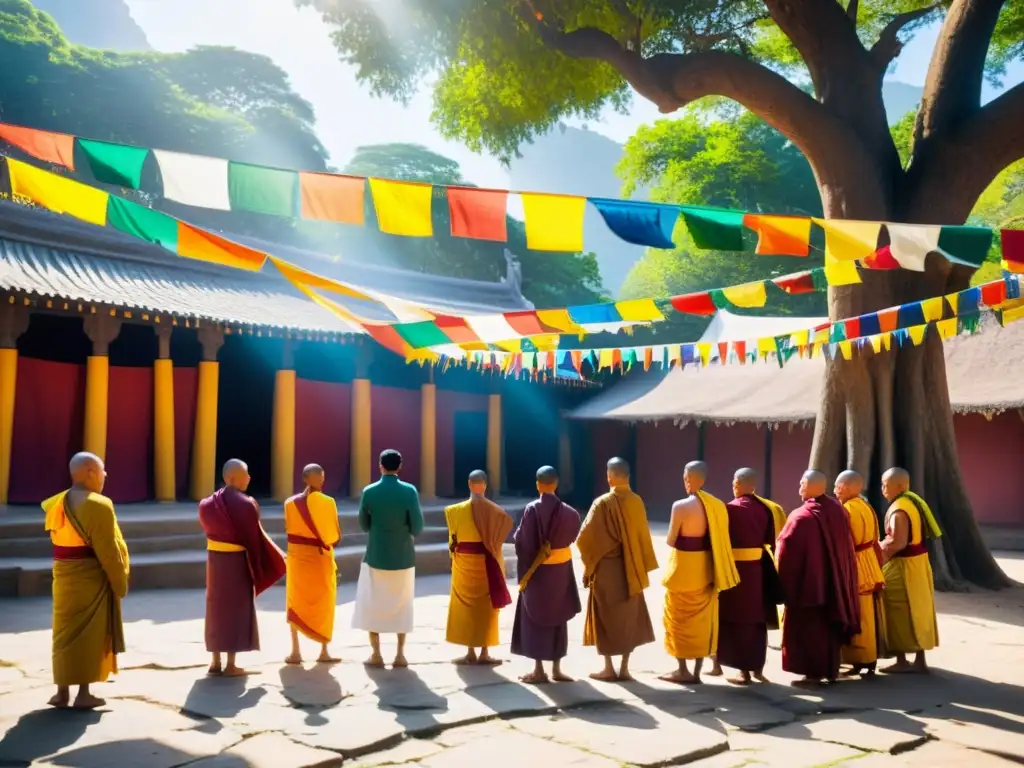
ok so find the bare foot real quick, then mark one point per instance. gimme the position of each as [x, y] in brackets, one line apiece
[469, 658]
[759, 676]
[679, 678]
[293, 658]
[561, 677]
[489, 661]
[904, 668]
[88, 701]
[532, 678]
[625, 677]
[215, 670]
[326, 658]
[400, 662]
[376, 661]
[716, 671]
[739, 680]
[605, 675]
[233, 671]
[60, 700]
[805, 682]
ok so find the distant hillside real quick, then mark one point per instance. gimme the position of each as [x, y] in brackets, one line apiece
[97, 23]
[900, 98]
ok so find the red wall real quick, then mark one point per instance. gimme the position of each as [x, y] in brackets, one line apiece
[186, 381]
[728, 448]
[395, 419]
[661, 452]
[608, 439]
[323, 430]
[448, 404]
[791, 452]
[992, 461]
[129, 457]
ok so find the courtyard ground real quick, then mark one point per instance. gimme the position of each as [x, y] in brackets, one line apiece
[163, 712]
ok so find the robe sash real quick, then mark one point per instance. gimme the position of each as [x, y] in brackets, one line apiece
[302, 507]
[747, 554]
[495, 578]
[692, 543]
[913, 550]
[545, 556]
[73, 553]
[223, 546]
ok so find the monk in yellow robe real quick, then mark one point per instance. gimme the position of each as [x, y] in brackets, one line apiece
[863, 649]
[909, 595]
[90, 577]
[477, 530]
[311, 523]
[701, 564]
[615, 544]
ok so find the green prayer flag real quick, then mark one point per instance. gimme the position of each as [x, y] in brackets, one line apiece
[837, 333]
[967, 244]
[819, 279]
[718, 299]
[631, 359]
[260, 189]
[114, 163]
[142, 222]
[421, 335]
[718, 228]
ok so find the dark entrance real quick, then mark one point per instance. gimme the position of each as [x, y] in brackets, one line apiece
[470, 447]
[530, 417]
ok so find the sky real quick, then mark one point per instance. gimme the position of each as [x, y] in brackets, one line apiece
[347, 115]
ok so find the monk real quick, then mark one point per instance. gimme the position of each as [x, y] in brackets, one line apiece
[909, 596]
[477, 529]
[747, 611]
[548, 596]
[818, 571]
[615, 544]
[700, 565]
[241, 563]
[90, 578]
[311, 523]
[389, 511]
[863, 649]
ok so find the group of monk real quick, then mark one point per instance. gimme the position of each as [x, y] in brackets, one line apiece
[847, 595]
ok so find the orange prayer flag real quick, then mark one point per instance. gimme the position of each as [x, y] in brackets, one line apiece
[888, 319]
[478, 213]
[199, 244]
[780, 235]
[332, 197]
[56, 148]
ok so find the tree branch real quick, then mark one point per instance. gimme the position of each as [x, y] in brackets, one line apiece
[888, 46]
[851, 11]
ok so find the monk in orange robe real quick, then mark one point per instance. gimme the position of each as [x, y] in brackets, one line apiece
[90, 578]
[615, 544]
[477, 530]
[311, 523]
[862, 651]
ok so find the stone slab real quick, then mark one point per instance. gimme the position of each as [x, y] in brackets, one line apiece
[934, 754]
[764, 749]
[271, 750]
[518, 749]
[877, 730]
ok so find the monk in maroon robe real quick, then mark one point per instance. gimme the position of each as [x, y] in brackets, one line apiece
[548, 594]
[747, 611]
[818, 570]
[242, 562]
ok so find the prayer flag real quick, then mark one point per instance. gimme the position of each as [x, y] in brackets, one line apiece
[947, 328]
[194, 243]
[639, 311]
[916, 333]
[300, 276]
[55, 148]
[780, 235]
[747, 295]
[953, 299]
[194, 179]
[841, 272]
[640, 223]
[589, 314]
[403, 207]
[846, 347]
[704, 350]
[1013, 249]
[553, 222]
[888, 320]
[910, 314]
[648, 358]
[717, 228]
[881, 259]
[111, 163]
[932, 309]
[1012, 315]
[559, 320]
[492, 328]
[851, 327]
[332, 197]
[142, 222]
[478, 213]
[910, 244]
[849, 240]
[423, 334]
[525, 322]
[993, 294]
[58, 193]
[260, 189]
[799, 282]
[967, 245]
[695, 304]
[765, 347]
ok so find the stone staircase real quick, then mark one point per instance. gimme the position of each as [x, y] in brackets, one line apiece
[168, 548]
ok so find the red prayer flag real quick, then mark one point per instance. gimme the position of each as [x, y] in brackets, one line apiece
[852, 327]
[723, 352]
[994, 294]
[1013, 249]
[694, 304]
[882, 259]
[740, 348]
[478, 213]
[56, 148]
[456, 329]
[388, 337]
[526, 323]
[802, 282]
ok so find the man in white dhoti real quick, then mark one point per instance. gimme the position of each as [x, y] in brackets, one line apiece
[389, 511]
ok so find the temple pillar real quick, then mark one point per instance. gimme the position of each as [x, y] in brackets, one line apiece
[428, 436]
[204, 440]
[164, 480]
[101, 329]
[565, 484]
[282, 435]
[495, 439]
[360, 461]
[13, 323]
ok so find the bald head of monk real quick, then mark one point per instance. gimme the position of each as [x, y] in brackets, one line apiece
[849, 485]
[313, 476]
[695, 474]
[744, 482]
[547, 480]
[894, 482]
[87, 472]
[618, 472]
[478, 482]
[236, 475]
[813, 484]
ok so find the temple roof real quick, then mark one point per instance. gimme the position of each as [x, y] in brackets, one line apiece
[55, 256]
[982, 371]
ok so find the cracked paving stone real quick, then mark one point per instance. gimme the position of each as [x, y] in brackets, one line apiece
[934, 754]
[629, 733]
[764, 749]
[519, 748]
[876, 730]
[1006, 739]
[405, 753]
[752, 717]
[270, 750]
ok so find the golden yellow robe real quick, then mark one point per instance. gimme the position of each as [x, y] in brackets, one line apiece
[909, 595]
[615, 544]
[863, 648]
[88, 631]
[312, 587]
[692, 583]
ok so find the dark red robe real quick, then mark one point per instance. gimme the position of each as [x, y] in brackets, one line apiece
[818, 571]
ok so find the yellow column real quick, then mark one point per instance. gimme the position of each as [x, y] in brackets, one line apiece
[282, 439]
[428, 440]
[13, 323]
[101, 330]
[494, 443]
[164, 478]
[204, 439]
[359, 458]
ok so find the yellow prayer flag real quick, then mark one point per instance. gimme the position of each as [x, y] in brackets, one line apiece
[513, 345]
[932, 309]
[947, 328]
[800, 338]
[553, 222]
[639, 311]
[747, 295]
[403, 207]
[849, 240]
[887, 340]
[296, 274]
[841, 272]
[765, 347]
[560, 320]
[705, 354]
[1012, 315]
[822, 336]
[58, 193]
[916, 333]
[953, 299]
[605, 359]
[846, 347]
[673, 355]
[876, 343]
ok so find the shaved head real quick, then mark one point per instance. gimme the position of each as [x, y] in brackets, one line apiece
[744, 482]
[83, 460]
[694, 475]
[313, 476]
[236, 474]
[477, 482]
[849, 485]
[618, 468]
[87, 471]
[813, 484]
[894, 482]
[547, 476]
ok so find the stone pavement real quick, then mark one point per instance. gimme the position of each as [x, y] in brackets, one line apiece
[162, 712]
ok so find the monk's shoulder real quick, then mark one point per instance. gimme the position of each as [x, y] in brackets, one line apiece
[325, 499]
[98, 502]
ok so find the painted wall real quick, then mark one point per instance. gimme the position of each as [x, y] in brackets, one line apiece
[323, 431]
[992, 461]
[726, 449]
[448, 404]
[791, 449]
[661, 452]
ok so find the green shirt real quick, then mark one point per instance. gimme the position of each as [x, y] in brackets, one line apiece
[389, 510]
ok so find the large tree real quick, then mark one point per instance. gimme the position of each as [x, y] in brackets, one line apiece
[508, 69]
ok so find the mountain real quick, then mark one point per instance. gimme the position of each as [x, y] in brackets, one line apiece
[900, 98]
[104, 24]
